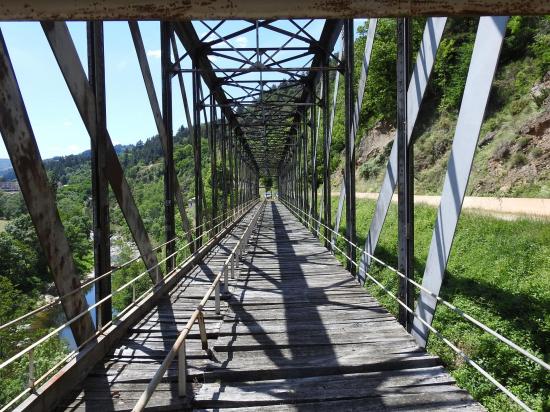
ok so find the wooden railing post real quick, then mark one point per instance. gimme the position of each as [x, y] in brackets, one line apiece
[182, 371]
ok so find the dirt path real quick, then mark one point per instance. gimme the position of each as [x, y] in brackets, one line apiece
[506, 207]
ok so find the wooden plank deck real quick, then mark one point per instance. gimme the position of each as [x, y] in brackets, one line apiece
[298, 333]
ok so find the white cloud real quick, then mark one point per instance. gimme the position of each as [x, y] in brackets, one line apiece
[155, 54]
[241, 41]
[73, 149]
[121, 65]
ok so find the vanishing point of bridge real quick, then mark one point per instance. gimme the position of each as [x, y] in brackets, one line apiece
[246, 304]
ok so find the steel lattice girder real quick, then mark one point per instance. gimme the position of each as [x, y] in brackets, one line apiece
[261, 108]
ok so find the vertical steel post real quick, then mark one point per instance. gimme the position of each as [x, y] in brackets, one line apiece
[326, 157]
[100, 184]
[349, 174]
[231, 179]
[223, 142]
[169, 171]
[237, 170]
[405, 189]
[197, 158]
[304, 164]
[213, 159]
[314, 156]
[298, 169]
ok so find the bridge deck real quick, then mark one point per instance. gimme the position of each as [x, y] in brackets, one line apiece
[298, 333]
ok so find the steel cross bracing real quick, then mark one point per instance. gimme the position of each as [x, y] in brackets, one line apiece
[263, 105]
[264, 89]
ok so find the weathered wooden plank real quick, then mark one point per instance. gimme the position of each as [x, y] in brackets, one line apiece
[300, 330]
[288, 339]
[319, 388]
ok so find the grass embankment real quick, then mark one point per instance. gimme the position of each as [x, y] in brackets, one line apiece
[499, 273]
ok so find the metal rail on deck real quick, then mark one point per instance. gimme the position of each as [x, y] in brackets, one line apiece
[178, 348]
[305, 219]
[235, 214]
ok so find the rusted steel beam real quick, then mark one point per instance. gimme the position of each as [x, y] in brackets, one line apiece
[169, 171]
[25, 157]
[100, 184]
[327, 205]
[349, 173]
[65, 53]
[405, 174]
[253, 9]
[165, 137]
[213, 159]
[223, 144]
[199, 193]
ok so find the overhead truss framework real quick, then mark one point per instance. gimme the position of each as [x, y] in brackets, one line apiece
[263, 95]
[265, 88]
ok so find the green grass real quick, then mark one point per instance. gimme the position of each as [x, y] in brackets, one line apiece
[3, 224]
[498, 272]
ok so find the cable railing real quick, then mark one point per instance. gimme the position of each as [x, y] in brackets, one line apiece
[307, 217]
[232, 215]
[178, 349]
[57, 300]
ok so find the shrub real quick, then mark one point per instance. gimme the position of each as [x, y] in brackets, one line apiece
[368, 169]
[518, 160]
[517, 106]
[536, 152]
[523, 141]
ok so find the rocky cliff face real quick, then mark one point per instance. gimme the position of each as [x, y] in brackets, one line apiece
[512, 159]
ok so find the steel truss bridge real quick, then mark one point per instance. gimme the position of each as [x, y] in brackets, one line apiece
[258, 314]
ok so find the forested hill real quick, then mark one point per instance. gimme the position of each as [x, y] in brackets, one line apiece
[514, 146]
[63, 166]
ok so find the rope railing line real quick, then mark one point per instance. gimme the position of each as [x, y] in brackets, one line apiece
[84, 285]
[470, 362]
[178, 348]
[449, 305]
[100, 331]
[97, 333]
[96, 304]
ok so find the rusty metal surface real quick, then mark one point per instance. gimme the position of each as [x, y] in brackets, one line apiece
[159, 122]
[254, 9]
[40, 200]
[66, 55]
[100, 184]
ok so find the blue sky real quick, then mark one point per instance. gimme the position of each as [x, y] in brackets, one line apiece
[54, 118]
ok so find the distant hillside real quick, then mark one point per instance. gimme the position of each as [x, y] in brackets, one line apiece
[513, 154]
[63, 166]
